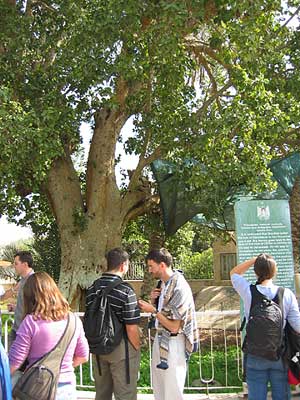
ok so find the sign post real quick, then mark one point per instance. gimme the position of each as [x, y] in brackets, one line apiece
[263, 226]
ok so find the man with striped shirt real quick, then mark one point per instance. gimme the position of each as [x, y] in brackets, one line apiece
[111, 379]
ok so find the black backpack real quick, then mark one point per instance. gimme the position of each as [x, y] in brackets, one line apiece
[102, 327]
[264, 330]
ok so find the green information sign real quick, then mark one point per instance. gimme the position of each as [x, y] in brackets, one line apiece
[263, 226]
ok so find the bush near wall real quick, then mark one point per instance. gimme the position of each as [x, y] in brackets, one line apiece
[197, 265]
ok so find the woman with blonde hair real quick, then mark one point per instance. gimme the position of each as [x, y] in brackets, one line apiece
[45, 319]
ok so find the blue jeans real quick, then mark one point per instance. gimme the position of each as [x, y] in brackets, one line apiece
[66, 391]
[260, 372]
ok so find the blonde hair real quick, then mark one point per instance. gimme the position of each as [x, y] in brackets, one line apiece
[43, 299]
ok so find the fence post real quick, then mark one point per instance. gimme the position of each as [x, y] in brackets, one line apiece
[245, 390]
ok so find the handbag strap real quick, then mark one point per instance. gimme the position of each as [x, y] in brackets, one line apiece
[62, 345]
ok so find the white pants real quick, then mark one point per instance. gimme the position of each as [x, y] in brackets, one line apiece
[168, 384]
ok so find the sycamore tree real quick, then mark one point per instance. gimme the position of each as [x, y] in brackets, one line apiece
[202, 80]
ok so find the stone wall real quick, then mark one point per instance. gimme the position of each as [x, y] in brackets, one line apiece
[195, 284]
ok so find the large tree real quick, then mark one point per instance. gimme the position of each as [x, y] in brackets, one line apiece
[196, 76]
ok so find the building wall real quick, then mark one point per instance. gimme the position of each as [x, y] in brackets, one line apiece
[223, 251]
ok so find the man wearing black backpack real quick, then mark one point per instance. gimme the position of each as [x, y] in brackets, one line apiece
[111, 327]
[267, 308]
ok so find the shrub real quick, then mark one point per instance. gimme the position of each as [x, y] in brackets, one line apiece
[198, 265]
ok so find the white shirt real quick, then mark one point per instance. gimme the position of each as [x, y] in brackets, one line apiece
[290, 305]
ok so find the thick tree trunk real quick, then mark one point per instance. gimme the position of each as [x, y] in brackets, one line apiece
[91, 222]
[83, 260]
[85, 236]
[157, 240]
[295, 221]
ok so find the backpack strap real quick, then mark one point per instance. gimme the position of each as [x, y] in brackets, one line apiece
[256, 296]
[243, 324]
[105, 291]
[59, 350]
[279, 297]
[279, 300]
[108, 288]
[255, 299]
[111, 286]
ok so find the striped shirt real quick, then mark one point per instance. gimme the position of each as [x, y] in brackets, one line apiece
[122, 298]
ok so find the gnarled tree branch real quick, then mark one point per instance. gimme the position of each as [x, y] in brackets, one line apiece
[199, 114]
[141, 208]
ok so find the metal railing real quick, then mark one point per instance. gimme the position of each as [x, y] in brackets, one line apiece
[135, 271]
[217, 367]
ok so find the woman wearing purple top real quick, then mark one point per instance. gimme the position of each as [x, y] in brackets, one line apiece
[45, 319]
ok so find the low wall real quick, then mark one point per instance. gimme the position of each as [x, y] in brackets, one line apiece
[195, 284]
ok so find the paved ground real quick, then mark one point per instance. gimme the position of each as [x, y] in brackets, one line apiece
[90, 395]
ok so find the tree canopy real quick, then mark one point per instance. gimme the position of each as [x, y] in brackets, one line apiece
[207, 80]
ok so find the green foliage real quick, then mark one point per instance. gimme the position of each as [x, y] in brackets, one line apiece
[60, 65]
[181, 242]
[210, 81]
[135, 238]
[46, 251]
[8, 252]
[204, 237]
[80, 220]
[183, 246]
[218, 357]
[144, 369]
[197, 265]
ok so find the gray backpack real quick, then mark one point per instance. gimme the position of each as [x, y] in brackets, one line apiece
[39, 381]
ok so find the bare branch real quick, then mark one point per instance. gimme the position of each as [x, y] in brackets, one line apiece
[11, 2]
[141, 208]
[198, 48]
[293, 143]
[288, 141]
[209, 73]
[211, 77]
[143, 162]
[289, 20]
[210, 100]
[50, 59]
[28, 10]
[45, 5]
